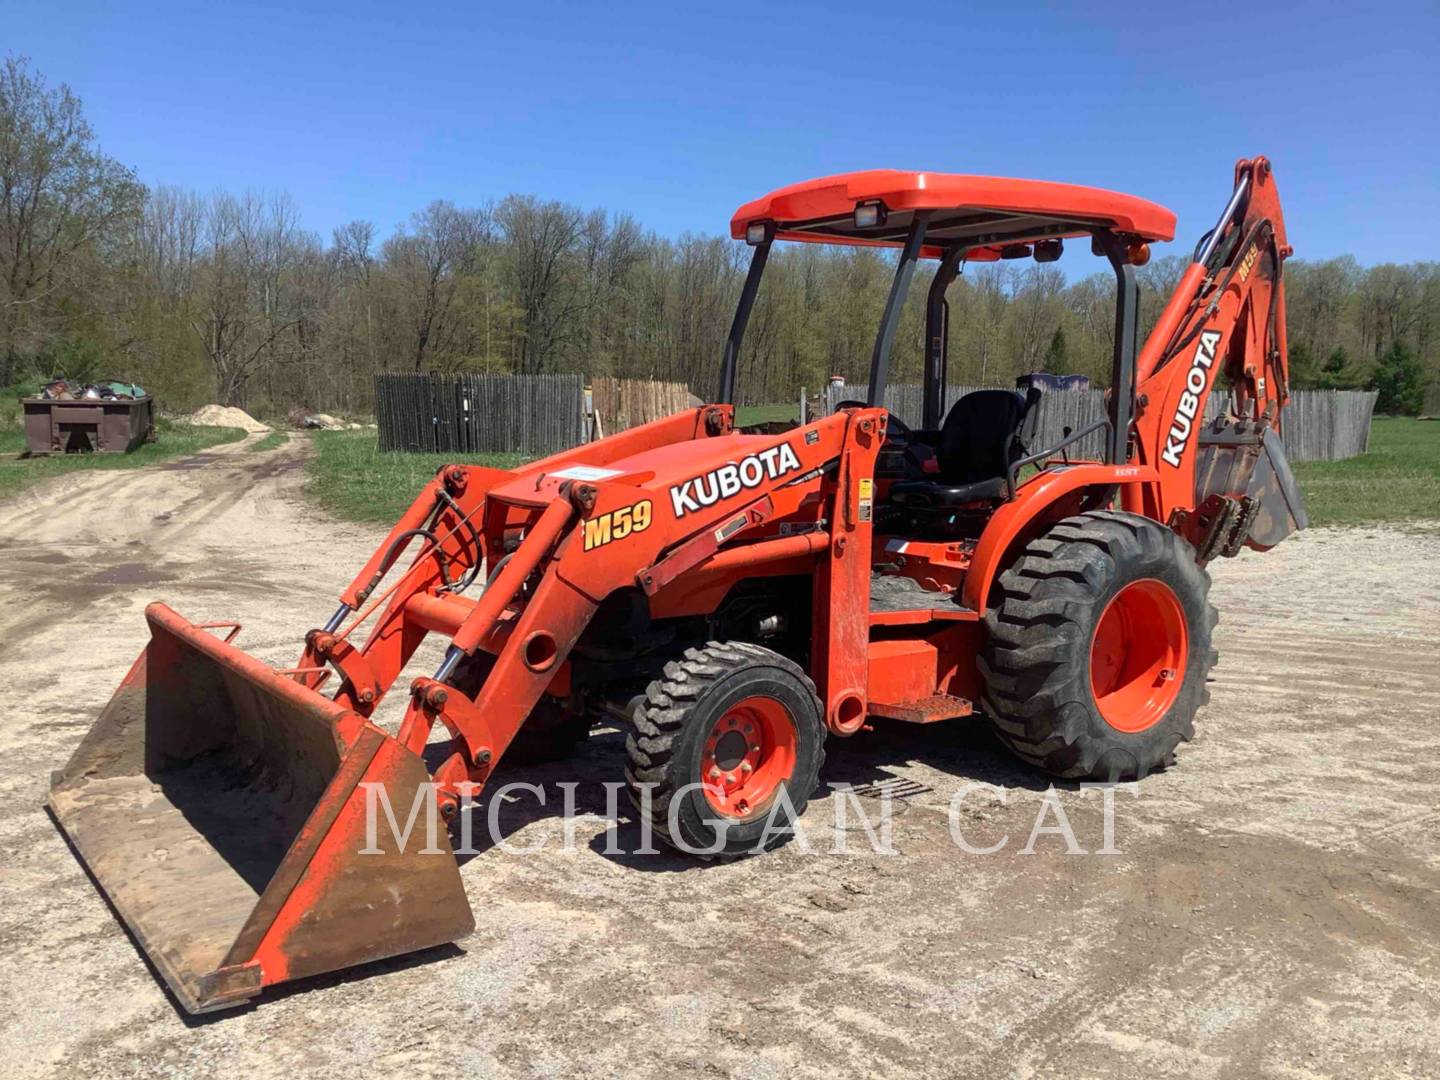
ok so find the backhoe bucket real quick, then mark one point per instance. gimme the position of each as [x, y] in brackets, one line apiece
[1242, 459]
[222, 808]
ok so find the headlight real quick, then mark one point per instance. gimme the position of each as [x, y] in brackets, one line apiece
[869, 215]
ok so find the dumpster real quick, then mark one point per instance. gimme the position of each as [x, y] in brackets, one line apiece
[78, 425]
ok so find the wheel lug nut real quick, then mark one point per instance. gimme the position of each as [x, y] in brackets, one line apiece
[714, 774]
[746, 768]
[730, 778]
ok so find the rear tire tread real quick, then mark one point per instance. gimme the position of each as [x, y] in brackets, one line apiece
[1035, 664]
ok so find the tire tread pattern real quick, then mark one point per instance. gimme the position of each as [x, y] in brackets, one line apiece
[660, 719]
[1035, 664]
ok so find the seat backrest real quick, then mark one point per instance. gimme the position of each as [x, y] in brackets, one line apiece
[979, 438]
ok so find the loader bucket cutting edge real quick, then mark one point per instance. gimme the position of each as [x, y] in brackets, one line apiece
[218, 804]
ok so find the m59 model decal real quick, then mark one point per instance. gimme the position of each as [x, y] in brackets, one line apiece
[618, 524]
[750, 472]
[1183, 424]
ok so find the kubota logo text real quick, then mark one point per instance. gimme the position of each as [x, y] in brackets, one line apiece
[1183, 425]
[728, 480]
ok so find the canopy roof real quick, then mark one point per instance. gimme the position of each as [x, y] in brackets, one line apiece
[980, 213]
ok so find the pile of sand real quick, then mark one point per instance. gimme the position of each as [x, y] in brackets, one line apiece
[225, 416]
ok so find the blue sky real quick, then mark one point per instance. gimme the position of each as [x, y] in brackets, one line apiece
[677, 113]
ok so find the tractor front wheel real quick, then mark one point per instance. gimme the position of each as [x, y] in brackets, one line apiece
[1099, 647]
[726, 750]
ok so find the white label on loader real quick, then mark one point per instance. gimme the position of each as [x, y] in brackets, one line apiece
[585, 472]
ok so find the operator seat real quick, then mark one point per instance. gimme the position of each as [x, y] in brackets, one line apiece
[981, 436]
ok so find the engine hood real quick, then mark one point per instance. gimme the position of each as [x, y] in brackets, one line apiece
[666, 468]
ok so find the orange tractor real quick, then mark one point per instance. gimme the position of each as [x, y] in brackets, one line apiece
[735, 597]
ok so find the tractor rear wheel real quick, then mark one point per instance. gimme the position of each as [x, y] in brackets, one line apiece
[1099, 647]
[726, 750]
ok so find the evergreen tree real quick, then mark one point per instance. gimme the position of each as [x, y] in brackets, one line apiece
[1400, 379]
[1304, 367]
[1338, 373]
[1056, 361]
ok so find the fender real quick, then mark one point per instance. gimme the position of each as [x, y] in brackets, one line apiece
[1021, 518]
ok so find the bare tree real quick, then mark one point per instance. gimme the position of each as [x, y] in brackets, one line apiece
[541, 240]
[1036, 307]
[250, 245]
[429, 265]
[351, 245]
[169, 240]
[59, 196]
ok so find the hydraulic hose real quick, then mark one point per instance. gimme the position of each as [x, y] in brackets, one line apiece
[464, 519]
[440, 557]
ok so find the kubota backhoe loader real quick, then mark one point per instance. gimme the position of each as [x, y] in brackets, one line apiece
[736, 597]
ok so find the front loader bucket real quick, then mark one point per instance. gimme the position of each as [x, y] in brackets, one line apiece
[222, 808]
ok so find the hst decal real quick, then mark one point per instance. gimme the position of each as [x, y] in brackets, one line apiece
[1183, 425]
[750, 472]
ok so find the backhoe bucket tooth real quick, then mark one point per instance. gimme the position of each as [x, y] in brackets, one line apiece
[222, 808]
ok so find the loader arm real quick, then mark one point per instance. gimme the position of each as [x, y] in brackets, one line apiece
[446, 525]
[573, 569]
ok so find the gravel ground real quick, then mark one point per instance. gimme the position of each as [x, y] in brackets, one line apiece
[1272, 910]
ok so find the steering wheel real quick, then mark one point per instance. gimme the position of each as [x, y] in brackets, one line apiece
[896, 430]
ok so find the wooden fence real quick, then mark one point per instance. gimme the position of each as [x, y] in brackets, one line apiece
[1319, 425]
[543, 414]
[1328, 425]
[625, 403]
[473, 414]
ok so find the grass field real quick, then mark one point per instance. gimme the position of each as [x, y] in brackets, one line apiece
[350, 477]
[1398, 480]
[18, 473]
[745, 415]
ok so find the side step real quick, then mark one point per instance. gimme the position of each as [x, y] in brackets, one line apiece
[928, 710]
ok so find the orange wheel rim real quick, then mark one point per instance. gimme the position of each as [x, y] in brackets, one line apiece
[748, 753]
[1137, 656]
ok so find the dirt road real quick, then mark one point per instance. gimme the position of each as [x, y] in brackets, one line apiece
[1274, 909]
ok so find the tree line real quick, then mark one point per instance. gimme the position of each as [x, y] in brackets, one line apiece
[228, 297]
